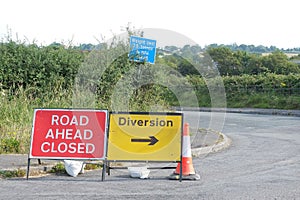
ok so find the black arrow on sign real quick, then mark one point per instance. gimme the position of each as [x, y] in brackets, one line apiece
[151, 139]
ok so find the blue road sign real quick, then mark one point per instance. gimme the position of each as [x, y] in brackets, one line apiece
[142, 49]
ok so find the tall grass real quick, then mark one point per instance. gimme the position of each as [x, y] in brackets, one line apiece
[16, 116]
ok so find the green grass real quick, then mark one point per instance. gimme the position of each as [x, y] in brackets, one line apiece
[59, 168]
[262, 100]
[12, 173]
[15, 124]
[16, 117]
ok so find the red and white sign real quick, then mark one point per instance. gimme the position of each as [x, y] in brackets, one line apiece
[69, 134]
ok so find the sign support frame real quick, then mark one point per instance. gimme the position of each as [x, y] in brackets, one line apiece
[107, 162]
[105, 133]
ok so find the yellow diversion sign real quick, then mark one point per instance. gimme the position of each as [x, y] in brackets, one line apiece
[145, 136]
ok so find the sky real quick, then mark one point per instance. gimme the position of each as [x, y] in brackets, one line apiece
[250, 22]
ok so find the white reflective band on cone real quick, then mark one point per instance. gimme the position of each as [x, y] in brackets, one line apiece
[186, 150]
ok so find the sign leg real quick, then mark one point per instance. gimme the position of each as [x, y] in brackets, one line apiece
[28, 166]
[180, 175]
[108, 168]
[103, 170]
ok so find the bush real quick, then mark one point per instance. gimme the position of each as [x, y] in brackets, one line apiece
[261, 91]
[58, 168]
[40, 69]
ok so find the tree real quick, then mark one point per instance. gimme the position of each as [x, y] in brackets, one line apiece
[226, 61]
[279, 63]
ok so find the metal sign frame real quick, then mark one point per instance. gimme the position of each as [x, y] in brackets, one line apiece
[149, 141]
[72, 120]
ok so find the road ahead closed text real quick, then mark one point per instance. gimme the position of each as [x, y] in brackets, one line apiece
[69, 134]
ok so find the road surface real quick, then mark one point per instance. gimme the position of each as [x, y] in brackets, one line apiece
[263, 162]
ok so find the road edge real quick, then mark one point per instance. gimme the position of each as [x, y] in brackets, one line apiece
[218, 146]
[260, 111]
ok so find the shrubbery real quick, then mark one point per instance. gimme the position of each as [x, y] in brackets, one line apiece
[256, 91]
[42, 69]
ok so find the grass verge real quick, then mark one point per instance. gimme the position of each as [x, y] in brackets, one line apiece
[12, 173]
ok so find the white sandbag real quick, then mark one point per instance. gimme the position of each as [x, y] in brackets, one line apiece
[139, 172]
[73, 167]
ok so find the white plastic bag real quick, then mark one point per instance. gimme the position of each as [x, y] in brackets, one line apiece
[74, 167]
[139, 172]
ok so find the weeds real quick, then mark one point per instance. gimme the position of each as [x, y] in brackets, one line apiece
[13, 173]
[92, 166]
[58, 168]
[16, 117]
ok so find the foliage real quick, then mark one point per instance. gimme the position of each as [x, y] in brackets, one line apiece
[40, 68]
[10, 145]
[12, 173]
[93, 166]
[254, 49]
[247, 48]
[237, 62]
[260, 91]
[58, 168]
[16, 115]
[278, 63]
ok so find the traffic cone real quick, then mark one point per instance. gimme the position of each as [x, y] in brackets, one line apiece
[188, 171]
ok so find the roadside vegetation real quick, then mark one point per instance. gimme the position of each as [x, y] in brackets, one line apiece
[12, 173]
[33, 76]
[59, 168]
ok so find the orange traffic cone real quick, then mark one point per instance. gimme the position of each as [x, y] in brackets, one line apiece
[188, 171]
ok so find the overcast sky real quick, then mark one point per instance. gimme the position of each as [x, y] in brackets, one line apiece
[257, 22]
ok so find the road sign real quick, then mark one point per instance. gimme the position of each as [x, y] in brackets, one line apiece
[142, 49]
[145, 136]
[69, 134]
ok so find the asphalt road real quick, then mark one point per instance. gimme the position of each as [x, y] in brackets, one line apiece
[263, 162]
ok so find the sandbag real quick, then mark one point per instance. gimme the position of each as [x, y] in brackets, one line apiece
[74, 167]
